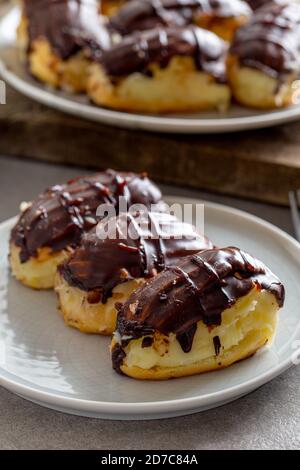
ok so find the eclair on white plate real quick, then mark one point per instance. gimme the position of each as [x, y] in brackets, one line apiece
[212, 309]
[264, 58]
[162, 70]
[57, 37]
[51, 226]
[104, 271]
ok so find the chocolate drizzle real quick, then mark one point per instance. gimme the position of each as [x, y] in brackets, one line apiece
[200, 287]
[255, 4]
[117, 356]
[217, 344]
[147, 342]
[136, 52]
[60, 215]
[137, 15]
[152, 242]
[185, 338]
[68, 25]
[270, 42]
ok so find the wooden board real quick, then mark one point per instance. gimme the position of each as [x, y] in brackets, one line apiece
[262, 165]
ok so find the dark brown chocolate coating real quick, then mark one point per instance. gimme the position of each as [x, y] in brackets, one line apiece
[154, 241]
[271, 40]
[200, 287]
[217, 344]
[136, 52]
[68, 25]
[255, 4]
[137, 15]
[60, 215]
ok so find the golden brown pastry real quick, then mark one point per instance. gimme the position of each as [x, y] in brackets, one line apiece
[162, 70]
[59, 35]
[52, 225]
[103, 271]
[264, 59]
[109, 7]
[207, 312]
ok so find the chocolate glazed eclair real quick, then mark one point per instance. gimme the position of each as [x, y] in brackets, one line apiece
[52, 225]
[161, 70]
[103, 271]
[58, 36]
[264, 59]
[207, 312]
[222, 17]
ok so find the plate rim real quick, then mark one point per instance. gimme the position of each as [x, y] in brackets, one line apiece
[162, 124]
[164, 406]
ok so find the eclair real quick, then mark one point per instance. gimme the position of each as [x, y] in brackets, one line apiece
[223, 17]
[103, 271]
[52, 225]
[264, 59]
[209, 311]
[162, 70]
[59, 36]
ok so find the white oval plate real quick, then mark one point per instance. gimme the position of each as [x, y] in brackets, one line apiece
[58, 367]
[236, 119]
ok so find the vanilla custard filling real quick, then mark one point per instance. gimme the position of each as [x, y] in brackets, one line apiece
[254, 313]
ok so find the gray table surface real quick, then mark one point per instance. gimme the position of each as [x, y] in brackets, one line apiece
[268, 418]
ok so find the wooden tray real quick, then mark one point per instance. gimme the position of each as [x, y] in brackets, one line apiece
[262, 164]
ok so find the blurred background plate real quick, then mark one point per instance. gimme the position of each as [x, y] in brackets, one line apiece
[58, 367]
[237, 118]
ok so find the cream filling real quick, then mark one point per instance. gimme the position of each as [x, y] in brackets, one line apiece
[257, 311]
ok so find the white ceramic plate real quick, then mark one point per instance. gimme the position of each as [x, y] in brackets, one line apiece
[44, 361]
[236, 119]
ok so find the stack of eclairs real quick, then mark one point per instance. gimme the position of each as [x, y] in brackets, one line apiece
[158, 56]
[123, 265]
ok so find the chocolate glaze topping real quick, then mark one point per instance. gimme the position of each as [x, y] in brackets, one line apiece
[62, 213]
[153, 241]
[217, 344]
[68, 25]
[271, 40]
[255, 4]
[136, 52]
[137, 15]
[200, 287]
